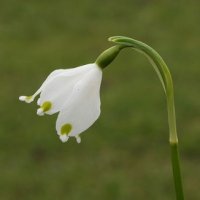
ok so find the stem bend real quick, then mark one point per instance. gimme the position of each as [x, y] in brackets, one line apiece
[166, 80]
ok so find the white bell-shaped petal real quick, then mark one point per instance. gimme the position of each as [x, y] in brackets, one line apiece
[82, 108]
[59, 89]
[29, 99]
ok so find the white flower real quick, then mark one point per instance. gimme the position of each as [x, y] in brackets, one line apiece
[75, 94]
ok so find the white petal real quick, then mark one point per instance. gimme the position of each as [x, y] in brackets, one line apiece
[40, 112]
[78, 70]
[51, 76]
[64, 138]
[83, 107]
[59, 89]
[29, 99]
[22, 98]
[38, 102]
[78, 139]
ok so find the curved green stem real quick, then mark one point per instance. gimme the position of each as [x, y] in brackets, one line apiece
[167, 83]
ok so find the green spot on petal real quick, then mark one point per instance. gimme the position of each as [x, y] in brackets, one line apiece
[46, 106]
[28, 98]
[65, 129]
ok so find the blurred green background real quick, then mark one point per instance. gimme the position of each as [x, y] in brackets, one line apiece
[125, 154]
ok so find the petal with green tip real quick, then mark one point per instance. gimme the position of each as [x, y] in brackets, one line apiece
[83, 107]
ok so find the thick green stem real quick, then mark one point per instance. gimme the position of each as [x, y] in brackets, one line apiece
[176, 171]
[167, 83]
[174, 148]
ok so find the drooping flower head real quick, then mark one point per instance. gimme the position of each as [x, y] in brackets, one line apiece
[74, 94]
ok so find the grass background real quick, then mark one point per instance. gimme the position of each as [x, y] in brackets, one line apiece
[125, 155]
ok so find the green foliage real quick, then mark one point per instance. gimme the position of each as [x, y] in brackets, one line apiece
[125, 155]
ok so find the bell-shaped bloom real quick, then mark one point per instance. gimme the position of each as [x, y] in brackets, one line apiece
[75, 94]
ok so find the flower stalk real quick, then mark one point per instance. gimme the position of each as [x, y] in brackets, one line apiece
[166, 80]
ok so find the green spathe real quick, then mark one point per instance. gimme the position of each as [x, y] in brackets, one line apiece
[108, 56]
